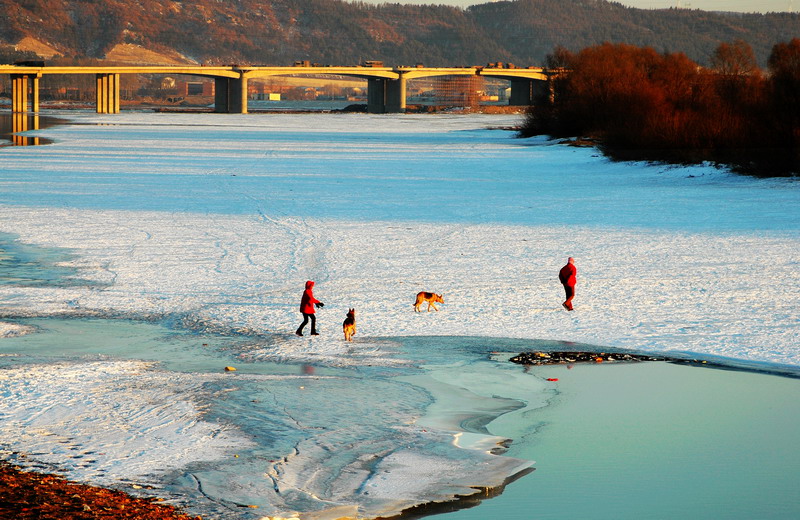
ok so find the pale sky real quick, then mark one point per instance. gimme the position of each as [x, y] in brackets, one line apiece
[747, 6]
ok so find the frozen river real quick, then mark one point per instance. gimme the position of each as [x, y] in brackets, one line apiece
[144, 252]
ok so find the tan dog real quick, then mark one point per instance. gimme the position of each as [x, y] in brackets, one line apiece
[431, 298]
[349, 325]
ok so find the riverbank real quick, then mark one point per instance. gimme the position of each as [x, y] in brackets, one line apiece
[668, 109]
[28, 495]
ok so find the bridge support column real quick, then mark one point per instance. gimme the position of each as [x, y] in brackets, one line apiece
[23, 85]
[386, 95]
[376, 95]
[396, 95]
[107, 93]
[34, 84]
[19, 93]
[525, 92]
[230, 95]
[521, 93]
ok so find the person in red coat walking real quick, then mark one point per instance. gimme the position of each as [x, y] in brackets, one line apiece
[568, 277]
[307, 308]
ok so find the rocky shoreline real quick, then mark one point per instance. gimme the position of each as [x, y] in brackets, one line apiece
[564, 358]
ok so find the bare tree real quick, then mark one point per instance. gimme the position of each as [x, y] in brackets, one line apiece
[735, 59]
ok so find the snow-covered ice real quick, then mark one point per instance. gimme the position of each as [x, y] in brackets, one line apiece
[225, 217]
[100, 404]
[10, 330]
[220, 219]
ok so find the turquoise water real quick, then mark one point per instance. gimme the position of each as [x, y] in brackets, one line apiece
[657, 441]
[27, 265]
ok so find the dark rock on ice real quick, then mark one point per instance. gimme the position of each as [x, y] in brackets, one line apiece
[556, 358]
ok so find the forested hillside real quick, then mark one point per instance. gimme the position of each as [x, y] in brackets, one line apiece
[529, 29]
[278, 32]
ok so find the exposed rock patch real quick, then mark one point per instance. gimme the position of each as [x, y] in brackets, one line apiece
[561, 358]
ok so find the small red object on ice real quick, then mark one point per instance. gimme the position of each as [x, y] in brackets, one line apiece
[552, 379]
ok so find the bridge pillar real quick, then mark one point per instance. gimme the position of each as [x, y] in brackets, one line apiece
[19, 93]
[230, 95]
[34, 84]
[386, 96]
[521, 92]
[376, 95]
[524, 92]
[23, 85]
[396, 95]
[107, 93]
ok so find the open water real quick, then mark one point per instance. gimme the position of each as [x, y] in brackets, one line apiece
[14, 129]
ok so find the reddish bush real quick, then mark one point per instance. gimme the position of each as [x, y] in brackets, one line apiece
[784, 90]
[635, 98]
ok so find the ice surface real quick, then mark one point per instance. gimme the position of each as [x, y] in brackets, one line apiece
[89, 417]
[216, 221]
[76, 398]
[225, 217]
[10, 330]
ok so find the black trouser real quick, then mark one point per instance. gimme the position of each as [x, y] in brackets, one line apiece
[306, 317]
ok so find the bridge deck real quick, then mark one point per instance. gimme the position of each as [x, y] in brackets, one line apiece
[386, 85]
[234, 71]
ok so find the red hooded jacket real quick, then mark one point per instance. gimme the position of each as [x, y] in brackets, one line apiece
[568, 275]
[307, 301]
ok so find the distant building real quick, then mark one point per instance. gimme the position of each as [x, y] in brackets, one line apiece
[268, 96]
[457, 90]
[264, 92]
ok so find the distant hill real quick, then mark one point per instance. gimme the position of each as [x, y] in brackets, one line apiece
[529, 29]
[278, 32]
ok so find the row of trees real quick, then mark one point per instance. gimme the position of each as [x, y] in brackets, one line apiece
[647, 105]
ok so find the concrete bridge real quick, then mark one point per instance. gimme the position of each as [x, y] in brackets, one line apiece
[386, 86]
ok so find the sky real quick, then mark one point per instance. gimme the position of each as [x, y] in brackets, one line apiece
[747, 6]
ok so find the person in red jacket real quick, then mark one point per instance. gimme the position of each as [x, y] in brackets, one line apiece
[307, 307]
[568, 276]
